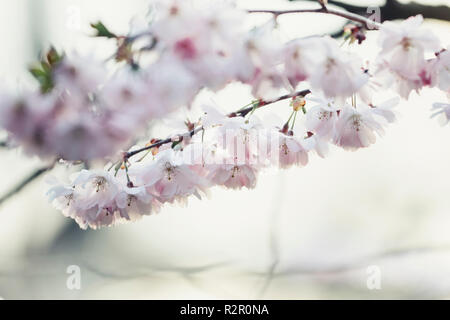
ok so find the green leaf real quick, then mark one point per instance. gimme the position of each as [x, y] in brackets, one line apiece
[176, 143]
[42, 71]
[102, 31]
[43, 76]
[37, 72]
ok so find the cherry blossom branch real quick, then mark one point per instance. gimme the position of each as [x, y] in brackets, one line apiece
[366, 22]
[240, 113]
[262, 103]
[33, 176]
[160, 143]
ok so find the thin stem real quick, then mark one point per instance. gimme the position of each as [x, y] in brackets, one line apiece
[293, 122]
[367, 23]
[290, 118]
[129, 182]
[112, 166]
[135, 37]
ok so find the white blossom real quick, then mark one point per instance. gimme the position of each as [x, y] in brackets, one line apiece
[337, 74]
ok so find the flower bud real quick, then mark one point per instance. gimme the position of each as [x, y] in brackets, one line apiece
[298, 103]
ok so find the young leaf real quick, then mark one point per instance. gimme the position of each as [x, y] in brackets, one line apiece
[102, 31]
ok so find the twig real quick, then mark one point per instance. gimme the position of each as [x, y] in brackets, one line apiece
[33, 176]
[262, 103]
[191, 133]
[366, 22]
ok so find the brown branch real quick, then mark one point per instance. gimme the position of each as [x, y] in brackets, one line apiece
[158, 144]
[33, 176]
[239, 113]
[262, 103]
[393, 9]
[366, 22]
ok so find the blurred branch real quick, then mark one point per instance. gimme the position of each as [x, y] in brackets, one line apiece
[364, 261]
[33, 176]
[393, 9]
[274, 235]
[366, 22]
[151, 271]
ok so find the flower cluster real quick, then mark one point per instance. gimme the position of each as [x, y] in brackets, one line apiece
[83, 111]
[403, 62]
[98, 199]
[230, 153]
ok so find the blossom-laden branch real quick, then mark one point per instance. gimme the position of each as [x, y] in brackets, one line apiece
[176, 138]
[81, 113]
[239, 113]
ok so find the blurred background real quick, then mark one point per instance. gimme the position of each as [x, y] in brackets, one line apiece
[322, 231]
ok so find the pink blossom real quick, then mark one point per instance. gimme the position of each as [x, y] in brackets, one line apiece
[356, 128]
[135, 202]
[90, 200]
[258, 62]
[397, 82]
[403, 54]
[292, 150]
[29, 120]
[168, 177]
[338, 74]
[404, 45]
[301, 57]
[79, 75]
[233, 176]
[321, 118]
[97, 199]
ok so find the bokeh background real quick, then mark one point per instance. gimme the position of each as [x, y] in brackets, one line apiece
[310, 233]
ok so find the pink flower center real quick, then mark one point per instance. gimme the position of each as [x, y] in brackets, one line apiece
[356, 122]
[170, 170]
[186, 48]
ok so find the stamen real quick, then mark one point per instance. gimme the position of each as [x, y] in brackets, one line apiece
[100, 183]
